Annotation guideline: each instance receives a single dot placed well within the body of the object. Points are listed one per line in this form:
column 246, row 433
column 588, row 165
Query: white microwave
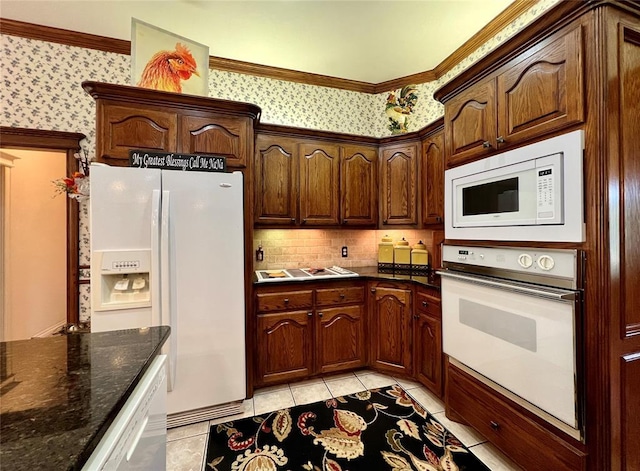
column 533, row 193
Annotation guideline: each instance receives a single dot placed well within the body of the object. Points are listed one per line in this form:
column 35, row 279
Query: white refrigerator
column 167, row 248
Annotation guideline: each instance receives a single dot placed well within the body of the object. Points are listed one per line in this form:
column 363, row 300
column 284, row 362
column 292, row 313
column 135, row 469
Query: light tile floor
column 186, row 445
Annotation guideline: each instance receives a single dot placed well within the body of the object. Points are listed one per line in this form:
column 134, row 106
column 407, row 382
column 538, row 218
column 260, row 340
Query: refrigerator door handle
column 156, row 313
column 168, row 314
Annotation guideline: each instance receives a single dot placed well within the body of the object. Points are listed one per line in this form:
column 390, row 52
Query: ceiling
column 368, row 41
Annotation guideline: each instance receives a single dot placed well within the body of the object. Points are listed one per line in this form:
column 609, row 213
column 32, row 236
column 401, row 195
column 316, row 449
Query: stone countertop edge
column 62, row 393
column 432, row 280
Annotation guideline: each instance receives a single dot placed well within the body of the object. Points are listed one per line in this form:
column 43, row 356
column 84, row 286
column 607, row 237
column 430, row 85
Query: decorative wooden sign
column 174, row 161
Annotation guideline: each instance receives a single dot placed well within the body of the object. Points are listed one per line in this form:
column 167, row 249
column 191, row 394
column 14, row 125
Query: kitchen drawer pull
column 495, row 425
column 309, row 314
column 373, row 290
column 341, row 295
column 319, row 314
column 424, row 304
column 286, row 300
column 514, row 287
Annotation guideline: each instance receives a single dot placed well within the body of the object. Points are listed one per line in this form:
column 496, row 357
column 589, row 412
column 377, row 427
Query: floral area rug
column 375, row 430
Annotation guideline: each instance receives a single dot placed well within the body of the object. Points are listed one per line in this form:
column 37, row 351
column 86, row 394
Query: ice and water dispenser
column 124, row 279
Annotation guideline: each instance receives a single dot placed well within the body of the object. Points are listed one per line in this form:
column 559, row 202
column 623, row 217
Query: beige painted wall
column 35, row 244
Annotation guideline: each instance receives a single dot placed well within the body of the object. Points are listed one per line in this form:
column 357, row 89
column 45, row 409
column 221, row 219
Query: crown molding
column 120, row 46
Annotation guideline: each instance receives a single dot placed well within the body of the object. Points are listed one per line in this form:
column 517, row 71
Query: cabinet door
column 428, row 352
column 122, row 128
column 319, row 185
column 276, row 180
column 390, row 321
column 470, row 124
column 543, row 92
column 433, row 179
column 214, row 134
column 398, row 190
column 358, row 183
column 340, row 338
column 284, row 346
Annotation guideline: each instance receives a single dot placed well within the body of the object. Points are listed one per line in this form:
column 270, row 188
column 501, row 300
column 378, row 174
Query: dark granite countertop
column 60, row 394
column 431, row 280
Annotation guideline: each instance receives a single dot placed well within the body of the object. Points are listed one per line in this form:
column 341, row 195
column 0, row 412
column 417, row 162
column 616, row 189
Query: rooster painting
column 167, row 69
column 398, row 109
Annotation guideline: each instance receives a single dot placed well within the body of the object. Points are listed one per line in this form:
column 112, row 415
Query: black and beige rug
column 375, row 430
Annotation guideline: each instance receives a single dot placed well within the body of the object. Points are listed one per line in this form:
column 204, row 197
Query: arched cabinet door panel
column 340, row 338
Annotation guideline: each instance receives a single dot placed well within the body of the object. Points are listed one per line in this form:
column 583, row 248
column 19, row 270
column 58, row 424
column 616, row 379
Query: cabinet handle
column 438, row 219
column 344, row 221
column 319, row 314
column 341, row 295
column 384, row 221
column 424, row 304
column 500, row 140
column 486, row 144
column 416, row 317
column 373, row 290
column 309, row 314
column 286, row 300
column 495, row 425
column 293, row 220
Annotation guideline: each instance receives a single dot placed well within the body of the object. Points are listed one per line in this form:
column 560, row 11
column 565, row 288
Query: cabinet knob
column 373, row 290
column 293, row 220
column 341, row 295
column 438, row 219
column 344, row 221
column 495, row 425
column 416, row 317
column 486, row 144
column 304, row 221
column 286, row 300
column 319, row 314
column 384, row 221
column 309, row 313
column 500, row 140
column 424, row 304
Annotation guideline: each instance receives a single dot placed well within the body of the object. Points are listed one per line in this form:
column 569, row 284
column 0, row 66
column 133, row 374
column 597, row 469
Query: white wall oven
column 512, row 318
column 532, row 193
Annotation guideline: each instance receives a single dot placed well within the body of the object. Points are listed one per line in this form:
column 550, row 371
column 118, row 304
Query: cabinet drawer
column 328, row 297
column 429, row 303
column 525, row 441
column 286, row 300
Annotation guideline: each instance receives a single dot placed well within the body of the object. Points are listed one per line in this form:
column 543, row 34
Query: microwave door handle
column 515, row 288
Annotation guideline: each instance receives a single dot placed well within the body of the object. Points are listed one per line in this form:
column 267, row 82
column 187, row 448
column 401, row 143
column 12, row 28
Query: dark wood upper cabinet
column 432, row 179
column 358, row 186
column 319, row 184
column 218, row 135
column 276, row 180
column 470, row 123
column 541, row 91
column 140, row 118
column 399, row 184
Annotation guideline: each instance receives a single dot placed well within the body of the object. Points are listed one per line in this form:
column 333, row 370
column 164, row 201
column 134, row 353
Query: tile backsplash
column 300, row 248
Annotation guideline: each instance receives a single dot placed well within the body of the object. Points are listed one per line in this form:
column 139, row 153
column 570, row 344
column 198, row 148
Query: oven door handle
column 553, row 294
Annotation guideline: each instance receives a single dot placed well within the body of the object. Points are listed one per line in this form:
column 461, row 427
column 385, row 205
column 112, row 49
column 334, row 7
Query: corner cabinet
column 139, row 118
column 432, row 179
column 390, row 317
column 539, row 92
column 399, row 184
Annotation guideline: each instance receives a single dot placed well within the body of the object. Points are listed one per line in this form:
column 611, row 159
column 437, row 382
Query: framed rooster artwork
column 165, row 61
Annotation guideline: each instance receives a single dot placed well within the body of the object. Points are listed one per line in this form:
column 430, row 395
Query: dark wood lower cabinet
column 284, row 346
column 427, row 340
column 340, row 338
column 523, row 439
column 390, row 318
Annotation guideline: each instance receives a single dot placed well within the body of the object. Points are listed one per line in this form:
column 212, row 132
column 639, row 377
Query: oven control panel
column 555, row 262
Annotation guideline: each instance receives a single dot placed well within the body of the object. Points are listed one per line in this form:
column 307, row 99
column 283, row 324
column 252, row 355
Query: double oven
column 512, row 311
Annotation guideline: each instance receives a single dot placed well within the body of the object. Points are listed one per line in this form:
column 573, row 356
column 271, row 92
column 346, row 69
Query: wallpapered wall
column 41, row 90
